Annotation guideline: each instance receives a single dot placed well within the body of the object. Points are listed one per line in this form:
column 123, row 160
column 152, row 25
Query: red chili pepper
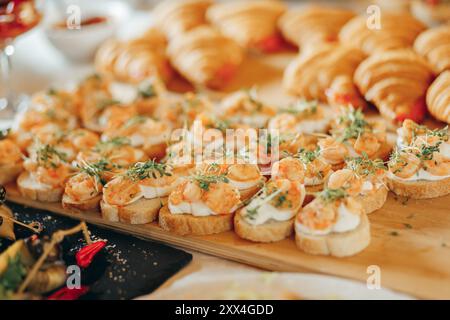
column 86, row 254
column 68, row 294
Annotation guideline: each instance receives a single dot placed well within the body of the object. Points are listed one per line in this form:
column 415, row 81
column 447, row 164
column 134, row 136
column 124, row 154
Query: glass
column 16, row 18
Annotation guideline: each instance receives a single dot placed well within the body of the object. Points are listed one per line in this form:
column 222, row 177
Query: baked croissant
column 134, row 60
column 313, row 72
column 205, row 57
column 434, row 45
column 396, row 82
column 175, row 17
column 431, row 12
column 438, row 97
column 251, row 23
column 397, row 31
column 313, row 25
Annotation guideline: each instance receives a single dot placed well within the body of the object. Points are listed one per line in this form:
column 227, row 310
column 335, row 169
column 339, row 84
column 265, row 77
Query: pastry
column 252, row 24
column 332, row 224
column 363, row 179
column 431, row 12
column 136, row 196
column 438, row 97
column 175, row 17
column 400, row 6
column 269, row 217
column 313, row 25
column 421, row 169
column 205, row 57
column 388, row 35
column 46, row 172
column 312, row 73
column 396, row 82
column 134, row 60
column 434, row 45
column 201, row 205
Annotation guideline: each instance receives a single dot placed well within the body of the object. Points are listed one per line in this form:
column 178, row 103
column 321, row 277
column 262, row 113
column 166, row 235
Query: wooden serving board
column 410, row 239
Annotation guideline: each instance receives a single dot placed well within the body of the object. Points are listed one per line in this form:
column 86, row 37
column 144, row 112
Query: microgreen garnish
column 363, row 166
column 106, row 146
column 96, row 169
column 330, row 195
column 303, row 107
column 307, row 156
column 204, row 180
column 48, row 156
column 147, row 92
column 355, row 124
column 147, row 170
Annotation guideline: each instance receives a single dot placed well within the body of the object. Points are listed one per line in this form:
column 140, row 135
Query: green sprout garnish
column 147, row 170
column 204, row 180
column 355, row 125
column 96, row 170
column 330, row 195
column 48, row 156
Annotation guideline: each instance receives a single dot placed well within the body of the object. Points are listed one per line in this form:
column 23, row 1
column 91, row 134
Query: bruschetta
column 269, row 217
column 332, row 224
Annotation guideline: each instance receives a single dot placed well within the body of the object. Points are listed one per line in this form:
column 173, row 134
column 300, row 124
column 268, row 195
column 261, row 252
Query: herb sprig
column 147, row 170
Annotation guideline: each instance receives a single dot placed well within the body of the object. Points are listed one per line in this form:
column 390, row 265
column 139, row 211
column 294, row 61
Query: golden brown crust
column 134, row 60
column 438, row 97
column 313, row 25
column 142, row 211
column 434, row 45
column 313, row 72
column 268, row 232
column 336, row 244
column 88, row 205
column 37, row 194
column 389, row 35
column 205, row 57
column 419, row 189
column 431, row 13
column 6, row 225
column 187, row 224
column 9, row 172
column 176, row 17
column 375, row 201
column 248, row 22
column 396, row 82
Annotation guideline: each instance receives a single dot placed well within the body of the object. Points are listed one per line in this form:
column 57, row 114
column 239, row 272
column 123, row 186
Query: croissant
column 313, row 72
column 394, row 5
column 431, row 12
column 312, row 25
column 434, row 45
column 397, row 31
column 396, row 82
column 175, row 17
column 205, row 57
column 134, row 60
column 438, row 97
column 251, row 23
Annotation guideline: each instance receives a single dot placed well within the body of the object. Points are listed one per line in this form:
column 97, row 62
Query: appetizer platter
column 351, row 167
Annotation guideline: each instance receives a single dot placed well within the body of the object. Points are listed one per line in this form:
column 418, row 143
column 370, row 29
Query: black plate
column 129, row 267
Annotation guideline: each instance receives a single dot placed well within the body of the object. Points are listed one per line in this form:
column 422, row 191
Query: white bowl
column 81, row 44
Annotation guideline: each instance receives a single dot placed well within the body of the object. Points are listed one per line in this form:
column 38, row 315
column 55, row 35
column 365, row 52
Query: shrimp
column 291, row 194
column 9, row 152
column 410, row 129
column 243, row 172
column 289, row 168
column 52, row 176
column 121, row 191
column 346, row 179
column 438, row 165
column 404, row 164
column 221, row 198
column 285, row 122
column 160, row 181
column 367, row 143
column 83, row 139
column 318, row 168
column 333, row 151
column 317, row 216
column 82, row 187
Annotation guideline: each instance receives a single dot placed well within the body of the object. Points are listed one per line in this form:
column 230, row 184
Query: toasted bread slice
column 336, row 244
column 187, row 224
column 315, row 188
column 271, row 231
column 420, row 189
column 375, row 201
column 88, row 205
column 9, row 172
column 142, row 211
column 29, row 189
